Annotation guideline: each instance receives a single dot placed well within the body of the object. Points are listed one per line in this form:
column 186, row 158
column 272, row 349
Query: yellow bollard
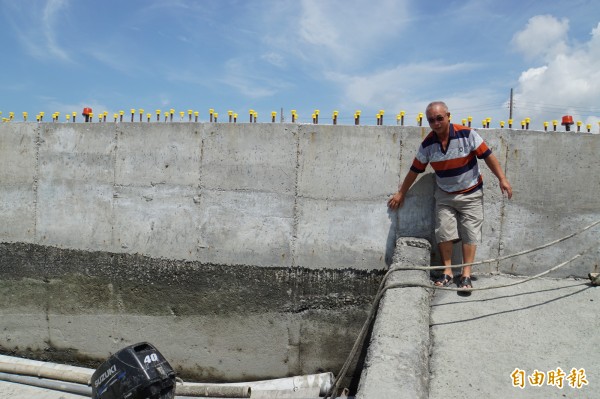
column 132, row 111
column 235, row 116
column 578, row 126
column 68, row 117
column 487, row 122
column 334, row 117
column 216, row 114
column 510, row 122
column 158, row 112
column 502, row 124
column 527, row 121
column 554, row 124
column 273, row 116
column 181, row 114
column 141, row 111
column 148, row 117
column 357, row 117
column 190, row 112
column 545, row 126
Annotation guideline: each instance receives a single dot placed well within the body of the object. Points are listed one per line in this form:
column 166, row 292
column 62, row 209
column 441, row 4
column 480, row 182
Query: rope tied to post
column 594, row 277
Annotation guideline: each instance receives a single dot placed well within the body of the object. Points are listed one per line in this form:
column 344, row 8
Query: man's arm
column 492, row 163
column 397, row 199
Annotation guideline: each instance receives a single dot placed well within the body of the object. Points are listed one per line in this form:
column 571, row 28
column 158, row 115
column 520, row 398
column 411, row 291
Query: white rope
column 383, row 288
column 546, row 245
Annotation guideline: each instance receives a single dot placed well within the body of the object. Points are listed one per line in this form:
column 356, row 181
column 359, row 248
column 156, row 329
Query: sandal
column 443, row 281
column 465, row 283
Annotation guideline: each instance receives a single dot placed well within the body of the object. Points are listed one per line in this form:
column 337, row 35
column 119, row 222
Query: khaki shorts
column 458, row 216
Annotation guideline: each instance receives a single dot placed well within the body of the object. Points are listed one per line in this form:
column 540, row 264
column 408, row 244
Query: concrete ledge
column 397, row 362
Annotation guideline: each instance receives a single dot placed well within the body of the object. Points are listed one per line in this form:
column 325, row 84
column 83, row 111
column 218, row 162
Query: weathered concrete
column 397, row 362
column 279, row 195
column 99, row 222
column 543, row 325
column 213, row 322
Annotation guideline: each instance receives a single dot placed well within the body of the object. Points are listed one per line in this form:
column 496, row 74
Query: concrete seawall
column 277, row 195
column 216, row 241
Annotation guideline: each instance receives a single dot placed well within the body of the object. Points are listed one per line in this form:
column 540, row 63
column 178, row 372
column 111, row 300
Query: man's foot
column 464, row 285
column 465, row 282
column 443, row 281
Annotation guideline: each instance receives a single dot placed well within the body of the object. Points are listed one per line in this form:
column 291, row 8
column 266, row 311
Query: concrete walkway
column 534, row 329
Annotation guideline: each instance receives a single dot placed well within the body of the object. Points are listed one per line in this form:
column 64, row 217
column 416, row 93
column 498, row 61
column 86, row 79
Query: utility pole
column 511, row 104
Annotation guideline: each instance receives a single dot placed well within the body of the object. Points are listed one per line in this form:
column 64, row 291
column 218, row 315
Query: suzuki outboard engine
column 136, row 372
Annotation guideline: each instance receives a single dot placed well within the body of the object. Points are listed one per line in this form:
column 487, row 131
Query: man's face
column 437, row 116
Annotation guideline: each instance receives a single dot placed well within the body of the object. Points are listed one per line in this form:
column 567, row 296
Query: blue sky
column 63, row 55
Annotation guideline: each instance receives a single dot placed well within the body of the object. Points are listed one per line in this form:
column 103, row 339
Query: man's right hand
column 396, row 201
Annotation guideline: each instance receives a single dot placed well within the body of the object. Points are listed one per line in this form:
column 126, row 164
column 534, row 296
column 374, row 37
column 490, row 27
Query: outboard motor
column 136, row 372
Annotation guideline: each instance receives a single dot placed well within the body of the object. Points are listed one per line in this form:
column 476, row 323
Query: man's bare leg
column 469, row 251
column 446, row 255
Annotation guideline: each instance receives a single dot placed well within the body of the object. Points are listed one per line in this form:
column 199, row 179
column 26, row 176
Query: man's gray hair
column 433, row 104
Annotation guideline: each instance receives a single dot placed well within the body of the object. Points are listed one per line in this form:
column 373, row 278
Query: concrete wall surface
column 247, row 251
column 280, row 195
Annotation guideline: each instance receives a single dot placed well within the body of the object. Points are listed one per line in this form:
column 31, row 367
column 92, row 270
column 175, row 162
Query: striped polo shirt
column 456, row 169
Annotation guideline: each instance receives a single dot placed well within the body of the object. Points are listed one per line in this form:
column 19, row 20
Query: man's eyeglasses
column 438, row 118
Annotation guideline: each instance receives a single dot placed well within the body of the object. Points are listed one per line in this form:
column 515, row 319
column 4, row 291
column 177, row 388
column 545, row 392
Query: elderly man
column 452, row 150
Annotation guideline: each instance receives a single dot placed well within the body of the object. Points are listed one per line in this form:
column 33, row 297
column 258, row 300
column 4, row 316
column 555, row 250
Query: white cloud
column 37, row 28
column 51, row 14
column 396, row 85
column 348, row 30
column 543, row 36
column 568, row 83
